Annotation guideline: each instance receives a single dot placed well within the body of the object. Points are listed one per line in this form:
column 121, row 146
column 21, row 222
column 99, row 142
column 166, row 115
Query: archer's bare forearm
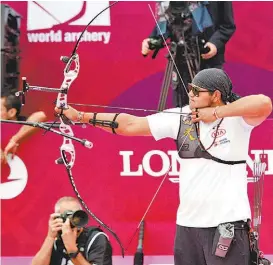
column 250, row 106
column 26, row 131
column 128, row 125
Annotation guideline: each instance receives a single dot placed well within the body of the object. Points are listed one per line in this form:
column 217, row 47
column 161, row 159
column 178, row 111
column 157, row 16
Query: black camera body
column 77, row 218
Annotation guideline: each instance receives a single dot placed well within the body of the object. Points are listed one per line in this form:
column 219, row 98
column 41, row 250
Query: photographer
column 189, row 23
column 66, row 245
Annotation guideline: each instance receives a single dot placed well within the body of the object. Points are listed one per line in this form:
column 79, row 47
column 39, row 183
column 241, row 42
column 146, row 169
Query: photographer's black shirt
column 93, row 245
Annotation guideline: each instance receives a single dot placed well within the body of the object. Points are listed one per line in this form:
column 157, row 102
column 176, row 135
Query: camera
column 77, row 218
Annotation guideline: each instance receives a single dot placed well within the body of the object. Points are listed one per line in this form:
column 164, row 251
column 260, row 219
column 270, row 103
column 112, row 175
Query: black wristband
column 113, row 129
column 93, row 121
column 73, row 255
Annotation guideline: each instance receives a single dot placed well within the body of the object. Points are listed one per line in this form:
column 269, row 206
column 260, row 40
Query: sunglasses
column 196, row 89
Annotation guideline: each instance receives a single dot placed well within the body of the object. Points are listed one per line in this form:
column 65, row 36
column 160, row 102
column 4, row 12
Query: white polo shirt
column 210, row 192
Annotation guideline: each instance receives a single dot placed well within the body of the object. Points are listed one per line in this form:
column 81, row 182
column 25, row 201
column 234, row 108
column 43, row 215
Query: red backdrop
column 117, row 74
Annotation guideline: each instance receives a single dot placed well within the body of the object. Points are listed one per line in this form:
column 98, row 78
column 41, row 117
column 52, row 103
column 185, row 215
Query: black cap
column 216, row 79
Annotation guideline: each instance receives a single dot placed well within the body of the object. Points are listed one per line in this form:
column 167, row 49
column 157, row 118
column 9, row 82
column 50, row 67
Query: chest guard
column 189, row 145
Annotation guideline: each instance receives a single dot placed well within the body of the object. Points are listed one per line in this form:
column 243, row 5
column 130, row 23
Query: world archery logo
column 46, row 20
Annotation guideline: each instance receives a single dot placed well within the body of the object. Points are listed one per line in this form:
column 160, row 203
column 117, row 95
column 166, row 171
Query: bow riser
column 69, row 76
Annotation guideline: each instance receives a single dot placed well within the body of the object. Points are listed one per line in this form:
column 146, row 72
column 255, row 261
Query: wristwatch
column 73, row 255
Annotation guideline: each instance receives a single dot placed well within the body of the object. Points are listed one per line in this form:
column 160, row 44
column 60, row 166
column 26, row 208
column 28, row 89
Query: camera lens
column 79, row 219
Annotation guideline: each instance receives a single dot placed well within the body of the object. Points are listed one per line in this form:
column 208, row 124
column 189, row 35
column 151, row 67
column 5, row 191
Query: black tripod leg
column 165, row 86
column 167, row 78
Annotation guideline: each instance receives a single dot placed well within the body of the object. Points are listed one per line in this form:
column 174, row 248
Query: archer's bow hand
column 70, row 113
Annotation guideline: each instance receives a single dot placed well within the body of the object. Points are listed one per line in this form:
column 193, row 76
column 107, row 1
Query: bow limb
column 67, row 148
column 69, row 172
